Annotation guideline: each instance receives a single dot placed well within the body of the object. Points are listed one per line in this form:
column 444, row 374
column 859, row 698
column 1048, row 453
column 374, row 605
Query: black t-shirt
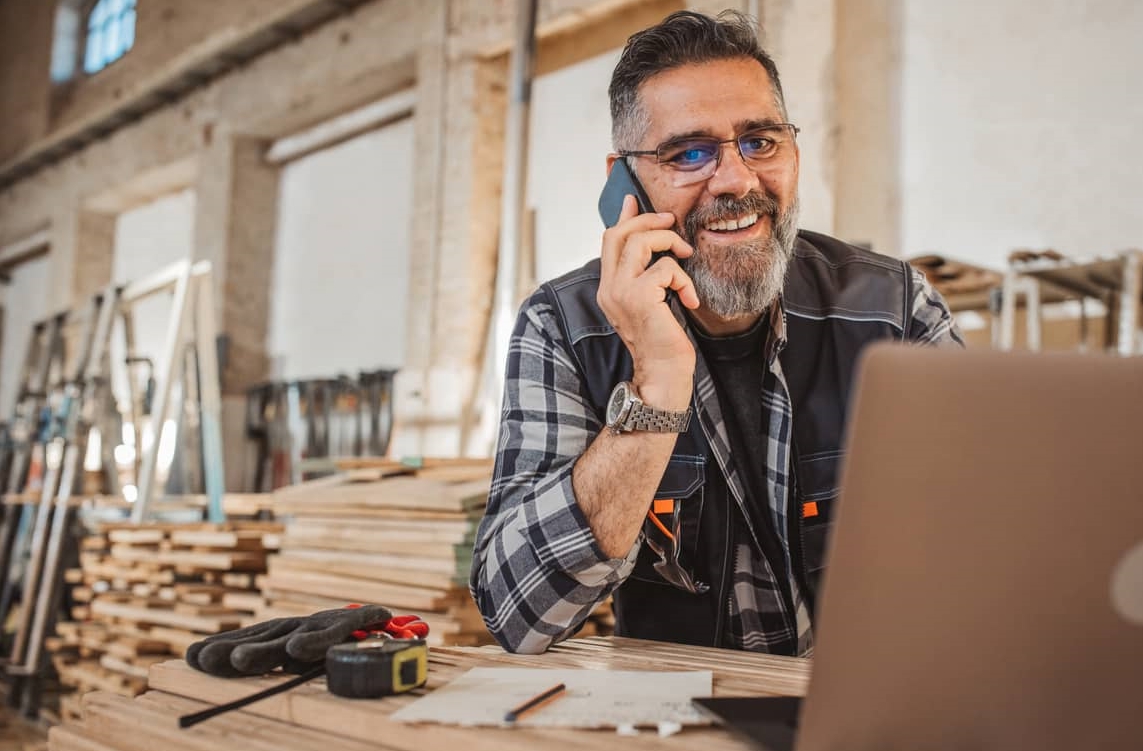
column 737, row 365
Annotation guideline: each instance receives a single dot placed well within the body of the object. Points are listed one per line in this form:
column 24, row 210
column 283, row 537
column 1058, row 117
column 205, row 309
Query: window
column 110, row 33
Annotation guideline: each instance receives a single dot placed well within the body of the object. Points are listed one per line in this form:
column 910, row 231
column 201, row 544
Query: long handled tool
column 64, row 459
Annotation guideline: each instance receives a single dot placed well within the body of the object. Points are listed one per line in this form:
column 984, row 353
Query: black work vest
column 837, row 299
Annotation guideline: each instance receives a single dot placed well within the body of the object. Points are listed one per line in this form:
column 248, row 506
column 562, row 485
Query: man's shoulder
column 829, row 278
column 815, row 248
column 586, row 275
column 571, row 298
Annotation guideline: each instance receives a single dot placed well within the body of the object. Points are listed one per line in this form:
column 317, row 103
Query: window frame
column 122, row 9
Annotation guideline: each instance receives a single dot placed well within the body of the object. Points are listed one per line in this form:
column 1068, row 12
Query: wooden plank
column 91, row 675
column 237, row 580
column 250, row 601
column 149, row 722
column 393, row 596
column 365, row 541
column 137, row 669
column 235, row 539
column 144, row 536
column 222, row 561
column 129, row 647
column 72, row 738
column 454, row 532
column 204, row 624
column 358, row 512
column 396, row 492
column 451, row 524
column 373, row 567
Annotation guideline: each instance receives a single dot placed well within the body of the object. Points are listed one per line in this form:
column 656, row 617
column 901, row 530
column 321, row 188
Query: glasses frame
column 657, row 152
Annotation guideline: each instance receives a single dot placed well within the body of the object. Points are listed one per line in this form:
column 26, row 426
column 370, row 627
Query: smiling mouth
column 733, row 224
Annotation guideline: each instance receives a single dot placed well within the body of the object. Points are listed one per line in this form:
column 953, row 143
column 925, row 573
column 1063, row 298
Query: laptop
column 985, row 586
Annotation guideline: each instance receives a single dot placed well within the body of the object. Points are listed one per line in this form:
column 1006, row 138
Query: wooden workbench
column 310, row 717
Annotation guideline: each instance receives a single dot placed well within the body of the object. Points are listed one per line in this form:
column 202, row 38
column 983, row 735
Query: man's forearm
column 615, row 482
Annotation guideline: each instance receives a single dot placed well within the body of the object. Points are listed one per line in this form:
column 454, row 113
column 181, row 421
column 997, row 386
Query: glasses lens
column 763, row 143
column 689, row 155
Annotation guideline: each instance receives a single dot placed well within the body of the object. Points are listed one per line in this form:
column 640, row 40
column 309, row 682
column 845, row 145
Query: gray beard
column 743, row 279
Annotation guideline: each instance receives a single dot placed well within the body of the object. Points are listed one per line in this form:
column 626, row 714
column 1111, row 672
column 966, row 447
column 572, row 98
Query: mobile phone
column 621, row 183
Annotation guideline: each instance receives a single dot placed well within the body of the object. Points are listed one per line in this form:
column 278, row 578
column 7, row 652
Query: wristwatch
column 626, row 412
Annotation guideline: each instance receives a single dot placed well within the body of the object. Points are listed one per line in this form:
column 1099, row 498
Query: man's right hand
column 633, row 296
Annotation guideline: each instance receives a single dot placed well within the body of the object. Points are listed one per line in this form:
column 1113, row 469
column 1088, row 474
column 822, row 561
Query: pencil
column 514, row 714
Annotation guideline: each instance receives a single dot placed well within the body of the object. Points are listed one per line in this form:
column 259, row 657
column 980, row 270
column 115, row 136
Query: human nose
column 732, row 175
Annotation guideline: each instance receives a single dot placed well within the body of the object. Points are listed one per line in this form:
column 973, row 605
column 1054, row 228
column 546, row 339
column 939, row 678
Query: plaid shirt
column 537, row 570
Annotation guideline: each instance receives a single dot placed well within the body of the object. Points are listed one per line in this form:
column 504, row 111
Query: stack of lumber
column 145, row 593
column 390, row 534
column 309, row 717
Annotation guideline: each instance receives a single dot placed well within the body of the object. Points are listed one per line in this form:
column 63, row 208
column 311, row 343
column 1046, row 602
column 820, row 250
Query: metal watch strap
column 644, row 417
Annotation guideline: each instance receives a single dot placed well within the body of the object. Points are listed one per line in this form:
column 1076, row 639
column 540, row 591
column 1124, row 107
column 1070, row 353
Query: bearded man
column 679, row 451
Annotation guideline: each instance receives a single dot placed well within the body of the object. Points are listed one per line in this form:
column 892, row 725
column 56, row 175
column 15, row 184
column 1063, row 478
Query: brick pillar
column 459, row 144
column 235, row 216
column 82, row 251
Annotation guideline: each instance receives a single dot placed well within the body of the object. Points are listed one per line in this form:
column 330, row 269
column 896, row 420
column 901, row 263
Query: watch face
column 617, row 404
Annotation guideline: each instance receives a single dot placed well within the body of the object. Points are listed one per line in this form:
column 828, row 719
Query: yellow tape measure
column 376, row 667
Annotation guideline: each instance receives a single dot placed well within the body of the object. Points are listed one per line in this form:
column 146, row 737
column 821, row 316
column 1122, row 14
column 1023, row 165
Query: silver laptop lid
column 985, row 588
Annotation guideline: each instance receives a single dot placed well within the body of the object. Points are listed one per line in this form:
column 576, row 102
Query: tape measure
column 376, row 667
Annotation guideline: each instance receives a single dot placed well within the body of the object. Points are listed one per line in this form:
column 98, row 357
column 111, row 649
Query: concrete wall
column 25, row 59
column 1020, row 127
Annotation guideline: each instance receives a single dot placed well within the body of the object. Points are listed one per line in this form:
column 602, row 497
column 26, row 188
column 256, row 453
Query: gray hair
column 682, row 38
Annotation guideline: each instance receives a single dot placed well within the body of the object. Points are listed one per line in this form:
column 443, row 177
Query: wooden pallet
column 150, row 592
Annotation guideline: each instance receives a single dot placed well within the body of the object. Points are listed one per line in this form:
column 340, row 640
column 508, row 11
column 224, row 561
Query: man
column 679, row 451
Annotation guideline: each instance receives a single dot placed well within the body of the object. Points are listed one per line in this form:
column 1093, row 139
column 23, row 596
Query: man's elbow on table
column 516, row 640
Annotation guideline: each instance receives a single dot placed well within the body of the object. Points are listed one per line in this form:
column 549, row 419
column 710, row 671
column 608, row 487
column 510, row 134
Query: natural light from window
column 110, row 33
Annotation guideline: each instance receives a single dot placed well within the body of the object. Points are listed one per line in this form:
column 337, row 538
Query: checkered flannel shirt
column 537, row 571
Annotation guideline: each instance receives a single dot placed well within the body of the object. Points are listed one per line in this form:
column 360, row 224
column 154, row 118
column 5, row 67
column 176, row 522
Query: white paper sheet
column 593, row 698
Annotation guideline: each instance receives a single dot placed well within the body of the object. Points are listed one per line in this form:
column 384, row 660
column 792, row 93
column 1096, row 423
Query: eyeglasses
column 697, row 158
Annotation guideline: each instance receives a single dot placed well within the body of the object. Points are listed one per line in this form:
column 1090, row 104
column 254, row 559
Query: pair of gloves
column 295, row 644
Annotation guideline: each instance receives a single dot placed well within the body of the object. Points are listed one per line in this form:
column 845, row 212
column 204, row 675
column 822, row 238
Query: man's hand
column 633, row 296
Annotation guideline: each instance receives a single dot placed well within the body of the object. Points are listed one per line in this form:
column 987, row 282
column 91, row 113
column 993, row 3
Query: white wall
column 25, row 302
column 570, row 137
column 1021, row 123
column 149, row 238
column 341, row 264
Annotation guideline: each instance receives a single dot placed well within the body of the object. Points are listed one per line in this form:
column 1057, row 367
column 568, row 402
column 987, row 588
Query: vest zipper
column 723, row 589
column 798, row 562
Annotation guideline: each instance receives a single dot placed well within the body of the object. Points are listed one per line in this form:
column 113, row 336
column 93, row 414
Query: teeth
column 724, row 225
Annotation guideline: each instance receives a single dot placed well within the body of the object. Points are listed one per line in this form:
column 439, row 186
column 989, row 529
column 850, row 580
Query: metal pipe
column 172, row 351
column 161, row 280
column 1129, row 302
column 512, row 198
column 210, row 399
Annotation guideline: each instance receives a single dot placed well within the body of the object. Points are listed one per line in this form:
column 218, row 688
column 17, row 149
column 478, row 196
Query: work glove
column 294, row 643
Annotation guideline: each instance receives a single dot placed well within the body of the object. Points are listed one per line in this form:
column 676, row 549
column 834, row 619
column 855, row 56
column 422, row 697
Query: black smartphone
column 620, row 183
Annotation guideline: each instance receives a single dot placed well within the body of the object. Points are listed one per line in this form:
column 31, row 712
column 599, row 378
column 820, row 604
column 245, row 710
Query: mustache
column 727, row 207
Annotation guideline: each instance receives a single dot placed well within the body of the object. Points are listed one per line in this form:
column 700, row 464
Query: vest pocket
column 671, row 529
column 817, row 498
